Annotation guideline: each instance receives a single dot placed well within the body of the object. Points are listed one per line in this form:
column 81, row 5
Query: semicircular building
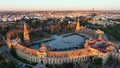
column 72, row 47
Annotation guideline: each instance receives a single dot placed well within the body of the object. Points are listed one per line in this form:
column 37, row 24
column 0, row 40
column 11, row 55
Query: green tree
column 98, row 61
column 68, row 65
column 12, row 50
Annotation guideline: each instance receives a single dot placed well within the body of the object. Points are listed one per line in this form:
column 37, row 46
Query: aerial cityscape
column 59, row 34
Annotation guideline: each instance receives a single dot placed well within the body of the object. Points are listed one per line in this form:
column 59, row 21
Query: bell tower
column 78, row 25
column 26, row 34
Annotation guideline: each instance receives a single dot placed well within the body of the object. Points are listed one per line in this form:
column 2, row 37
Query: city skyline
column 27, row 5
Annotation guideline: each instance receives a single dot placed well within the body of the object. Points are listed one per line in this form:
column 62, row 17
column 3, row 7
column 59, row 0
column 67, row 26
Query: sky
column 28, row 5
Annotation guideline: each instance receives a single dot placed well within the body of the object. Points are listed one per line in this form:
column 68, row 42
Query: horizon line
column 66, row 10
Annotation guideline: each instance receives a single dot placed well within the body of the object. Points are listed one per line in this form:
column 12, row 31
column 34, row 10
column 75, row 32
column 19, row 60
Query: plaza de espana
column 97, row 46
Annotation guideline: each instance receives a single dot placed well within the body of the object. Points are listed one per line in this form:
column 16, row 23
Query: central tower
column 78, row 25
column 26, row 34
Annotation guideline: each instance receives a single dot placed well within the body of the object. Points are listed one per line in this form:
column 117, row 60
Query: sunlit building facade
column 91, row 46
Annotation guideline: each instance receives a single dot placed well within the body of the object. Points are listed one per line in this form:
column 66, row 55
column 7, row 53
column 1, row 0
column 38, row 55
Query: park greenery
column 64, row 65
column 95, row 62
column 114, row 31
column 46, row 28
column 39, row 29
column 5, row 62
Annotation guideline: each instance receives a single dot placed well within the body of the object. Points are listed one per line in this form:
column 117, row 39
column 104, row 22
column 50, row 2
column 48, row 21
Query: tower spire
column 86, row 44
column 26, row 33
column 78, row 25
column 99, row 37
